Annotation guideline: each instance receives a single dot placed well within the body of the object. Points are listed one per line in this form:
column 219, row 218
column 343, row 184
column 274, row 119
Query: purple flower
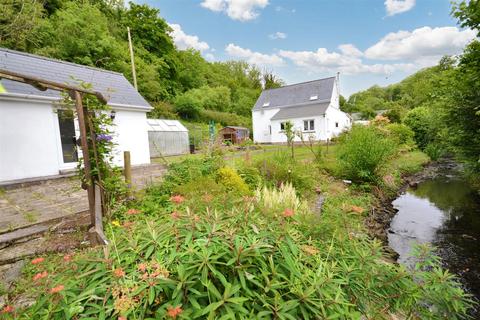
column 104, row 137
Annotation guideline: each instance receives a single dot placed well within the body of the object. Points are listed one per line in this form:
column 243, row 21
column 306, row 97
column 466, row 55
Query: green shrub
column 434, row 151
column 419, row 120
column 206, row 192
column 281, row 168
column 229, row 178
column 187, row 106
column 251, row 175
column 156, row 199
column 362, row 151
column 400, row 133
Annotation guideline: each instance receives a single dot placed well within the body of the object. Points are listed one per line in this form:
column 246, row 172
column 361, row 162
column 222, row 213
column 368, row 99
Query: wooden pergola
column 95, row 199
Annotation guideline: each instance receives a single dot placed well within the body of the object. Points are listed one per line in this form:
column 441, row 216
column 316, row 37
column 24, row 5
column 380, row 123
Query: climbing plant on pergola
column 76, row 93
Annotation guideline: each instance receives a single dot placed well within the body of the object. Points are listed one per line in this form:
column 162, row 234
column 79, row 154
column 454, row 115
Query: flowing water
column 443, row 211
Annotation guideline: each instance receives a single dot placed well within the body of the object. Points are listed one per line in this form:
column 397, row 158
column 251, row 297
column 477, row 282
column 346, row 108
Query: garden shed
column 234, row 134
column 167, row 137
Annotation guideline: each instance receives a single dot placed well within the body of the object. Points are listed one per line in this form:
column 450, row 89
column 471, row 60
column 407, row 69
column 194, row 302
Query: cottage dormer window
column 266, row 104
column 313, row 97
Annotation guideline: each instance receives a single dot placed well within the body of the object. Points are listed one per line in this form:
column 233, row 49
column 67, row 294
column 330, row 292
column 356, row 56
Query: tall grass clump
column 283, row 198
column 362, row 151
column 281, row 168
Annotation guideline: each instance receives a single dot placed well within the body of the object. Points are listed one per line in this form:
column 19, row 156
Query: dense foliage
column 94, row 33
column 440, row 104
column 197, row 248
column 362, row 151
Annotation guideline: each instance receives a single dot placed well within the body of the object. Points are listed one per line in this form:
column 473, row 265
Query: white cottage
column 312, row 107
column 37, row 135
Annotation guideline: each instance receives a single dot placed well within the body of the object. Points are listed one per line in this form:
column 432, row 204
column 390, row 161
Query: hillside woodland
column 440, row 104
column 178, row 83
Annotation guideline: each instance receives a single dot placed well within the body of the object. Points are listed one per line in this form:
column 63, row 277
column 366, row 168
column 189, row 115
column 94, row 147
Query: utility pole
column 132, row 59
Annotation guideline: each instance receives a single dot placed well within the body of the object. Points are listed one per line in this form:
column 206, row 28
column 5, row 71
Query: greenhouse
column 167, row 138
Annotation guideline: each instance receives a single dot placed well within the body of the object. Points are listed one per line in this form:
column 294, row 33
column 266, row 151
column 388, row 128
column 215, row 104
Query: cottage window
column 266, row 104
column 336, row 124
column 308, row 125
column 314, row 97
column 282, row 126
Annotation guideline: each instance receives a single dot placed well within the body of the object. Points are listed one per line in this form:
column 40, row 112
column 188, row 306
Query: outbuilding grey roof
column 236, row 128
column 301, row 111
column 165, row 125
column 296, row 94
column 113, row 85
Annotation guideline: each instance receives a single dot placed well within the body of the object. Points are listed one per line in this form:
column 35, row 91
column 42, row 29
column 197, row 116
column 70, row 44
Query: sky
column 368, row 41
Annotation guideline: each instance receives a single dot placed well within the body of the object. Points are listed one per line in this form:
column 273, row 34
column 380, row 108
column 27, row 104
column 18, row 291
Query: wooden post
column 127, row 171
column 86, row 155
column 134, row 75
column 98, row 228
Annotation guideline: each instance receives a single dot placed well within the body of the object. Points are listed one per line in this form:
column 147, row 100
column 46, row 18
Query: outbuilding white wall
column 28, row 141
column 30, row 145
column 131, row 135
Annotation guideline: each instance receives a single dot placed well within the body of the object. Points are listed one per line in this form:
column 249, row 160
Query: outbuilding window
column 308, row 125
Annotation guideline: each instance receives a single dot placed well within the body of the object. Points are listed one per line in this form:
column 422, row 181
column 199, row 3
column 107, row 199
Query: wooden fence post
column 85, row 155
column 101, row 238
column 127, row 171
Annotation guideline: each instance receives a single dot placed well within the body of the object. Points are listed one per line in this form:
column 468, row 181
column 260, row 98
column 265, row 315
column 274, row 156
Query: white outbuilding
column 167, row 137
column 38, row 134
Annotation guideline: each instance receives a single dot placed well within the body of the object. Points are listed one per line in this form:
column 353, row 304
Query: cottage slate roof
column 301, row 111
column 113, row 85
column 296, row 94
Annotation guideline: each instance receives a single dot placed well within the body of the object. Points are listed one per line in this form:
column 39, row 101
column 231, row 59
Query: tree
column 342, row 102
column 188, row 106
column 19, row 22
column 419, row 120
column 271, row 81
column 95, row 45
column 467, row 13
column 149, row 30
column 290, row 133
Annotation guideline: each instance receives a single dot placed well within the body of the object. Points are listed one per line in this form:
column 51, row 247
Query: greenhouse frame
column 167, row 138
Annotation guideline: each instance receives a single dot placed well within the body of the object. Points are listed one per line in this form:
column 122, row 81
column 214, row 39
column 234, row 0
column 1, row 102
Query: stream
column 442, row 210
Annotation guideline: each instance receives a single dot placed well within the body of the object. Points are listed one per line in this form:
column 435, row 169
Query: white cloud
column 423, row 43
column 210, row 57
column 278, row 35
column 184, row 41
column 347, row 61
column 252, row 57
column 242, row 10
column 394, row 7
column 350, row 50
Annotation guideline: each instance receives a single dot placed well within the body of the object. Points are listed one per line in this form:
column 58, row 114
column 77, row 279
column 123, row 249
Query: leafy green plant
column 251, row 175
column 281, row 168
column 434, row 151
column 362, row 151
column 400, row 133
column 232, row 181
